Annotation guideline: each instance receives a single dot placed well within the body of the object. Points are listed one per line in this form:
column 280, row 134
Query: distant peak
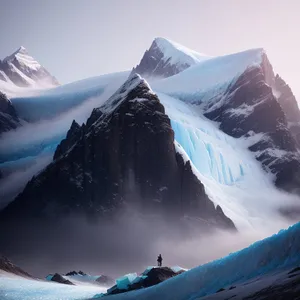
column 178, row 52
column 21, row 50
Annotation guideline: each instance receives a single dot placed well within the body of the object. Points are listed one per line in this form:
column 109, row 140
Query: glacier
column 231, row 175
column 271, row 255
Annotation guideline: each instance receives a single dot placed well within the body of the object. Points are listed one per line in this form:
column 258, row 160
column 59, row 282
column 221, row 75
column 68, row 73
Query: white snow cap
column 177, row 53
column 23, row 57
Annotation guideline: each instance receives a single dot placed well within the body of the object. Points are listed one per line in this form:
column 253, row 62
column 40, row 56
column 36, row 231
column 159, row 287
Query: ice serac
column 166, row 58
column 123, row 156
column 8, row 116
column 22, row 70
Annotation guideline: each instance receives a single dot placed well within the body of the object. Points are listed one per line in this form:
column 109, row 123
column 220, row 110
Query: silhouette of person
column 159, row 260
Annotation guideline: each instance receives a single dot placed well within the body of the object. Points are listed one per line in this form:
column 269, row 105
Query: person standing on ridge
column 159, row 260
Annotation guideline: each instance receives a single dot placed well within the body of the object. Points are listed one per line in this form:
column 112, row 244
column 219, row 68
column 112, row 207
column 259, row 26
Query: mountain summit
column 166, row 58
column 20, row 69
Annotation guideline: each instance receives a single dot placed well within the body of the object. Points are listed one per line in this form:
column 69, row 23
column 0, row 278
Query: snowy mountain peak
column 178, row 53
column 20, row 69
column 166, row 58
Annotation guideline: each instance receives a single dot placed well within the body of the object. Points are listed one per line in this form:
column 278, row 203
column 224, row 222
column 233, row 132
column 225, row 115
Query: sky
column 76, row 39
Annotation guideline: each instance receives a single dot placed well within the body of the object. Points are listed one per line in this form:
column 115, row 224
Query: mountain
column 8, row 116
column 166, row 58
column 124, row 156
column 238, row 91
column 194, row 99
column 20, row 70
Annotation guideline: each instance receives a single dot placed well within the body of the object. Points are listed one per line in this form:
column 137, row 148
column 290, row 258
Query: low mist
column 116, row 247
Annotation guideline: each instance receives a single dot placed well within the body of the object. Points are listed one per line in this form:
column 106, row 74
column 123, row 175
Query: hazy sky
column 75, row 39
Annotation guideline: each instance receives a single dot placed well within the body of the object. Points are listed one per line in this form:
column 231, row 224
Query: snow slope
column 177, row 54
column 274, row 254
column 15, row 288
column 209, row 77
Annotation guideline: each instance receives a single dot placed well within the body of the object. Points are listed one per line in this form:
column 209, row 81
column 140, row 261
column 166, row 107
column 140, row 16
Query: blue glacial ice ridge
column 276, row 253
column 209, row 160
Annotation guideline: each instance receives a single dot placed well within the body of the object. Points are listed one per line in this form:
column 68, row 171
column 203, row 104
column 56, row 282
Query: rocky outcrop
column 59, row 278
column 8, row 116
column 75, row 273
column 123, row 158
column 148, row 278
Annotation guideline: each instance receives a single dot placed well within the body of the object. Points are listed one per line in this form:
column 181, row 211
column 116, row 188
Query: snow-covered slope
column 204, row 80
column 166, row 58
column 14, row 287
column 177, row 54
column 274, row 254
column 20, row 73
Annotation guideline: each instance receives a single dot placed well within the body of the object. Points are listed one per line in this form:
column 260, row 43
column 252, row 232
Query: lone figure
column 159, row 260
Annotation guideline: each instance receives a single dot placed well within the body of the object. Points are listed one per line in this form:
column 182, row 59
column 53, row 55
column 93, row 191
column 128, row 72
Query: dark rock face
column 58, row 278
column 153, row 277
column 289, row 105
column 250, row 108
column 7, row 266
column 287, row 100
column 154, row 63
column 8, row 116
column 124, row 157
